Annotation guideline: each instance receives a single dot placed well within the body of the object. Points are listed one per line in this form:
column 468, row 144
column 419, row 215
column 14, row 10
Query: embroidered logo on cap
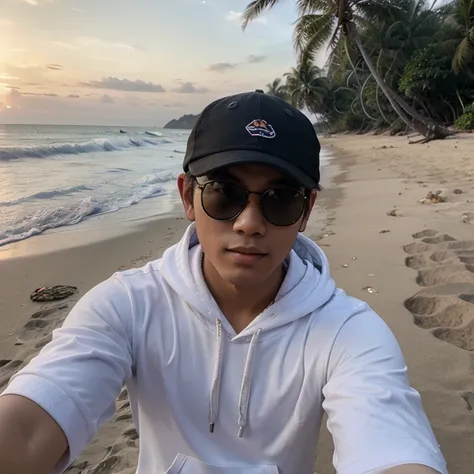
column 260, row 128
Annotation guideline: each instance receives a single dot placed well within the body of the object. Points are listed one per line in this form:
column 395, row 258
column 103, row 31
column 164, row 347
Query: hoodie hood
column 307, row 285
column 306, row 288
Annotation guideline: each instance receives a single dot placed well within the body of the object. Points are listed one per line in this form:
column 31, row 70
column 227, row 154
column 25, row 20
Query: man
column 233, row 343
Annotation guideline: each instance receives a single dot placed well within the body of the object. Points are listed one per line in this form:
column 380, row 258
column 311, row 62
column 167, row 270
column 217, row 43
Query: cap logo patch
column 260, row 128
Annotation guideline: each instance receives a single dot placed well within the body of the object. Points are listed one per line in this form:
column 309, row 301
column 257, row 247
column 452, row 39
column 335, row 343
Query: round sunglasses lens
column 283, row 206
column 223, row 201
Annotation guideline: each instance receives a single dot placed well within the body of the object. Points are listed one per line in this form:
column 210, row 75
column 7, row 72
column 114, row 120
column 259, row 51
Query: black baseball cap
column 254, row 127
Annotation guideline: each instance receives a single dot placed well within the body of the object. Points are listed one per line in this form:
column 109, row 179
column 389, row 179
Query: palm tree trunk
column 460, row 100
column 409, row 115
column 361, row 89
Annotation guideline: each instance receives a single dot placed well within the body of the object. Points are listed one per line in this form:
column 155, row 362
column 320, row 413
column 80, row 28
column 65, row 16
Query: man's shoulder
column 339, row 309
column 127, row 286
column 140, row 278
column 327, row 322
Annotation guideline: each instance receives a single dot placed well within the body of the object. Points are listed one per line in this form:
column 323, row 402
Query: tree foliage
column 392, row 64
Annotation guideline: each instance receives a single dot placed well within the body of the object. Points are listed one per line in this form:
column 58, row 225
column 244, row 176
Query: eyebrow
column 223, row 174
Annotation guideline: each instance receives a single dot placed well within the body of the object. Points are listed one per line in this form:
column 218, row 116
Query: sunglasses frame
column 202, row 186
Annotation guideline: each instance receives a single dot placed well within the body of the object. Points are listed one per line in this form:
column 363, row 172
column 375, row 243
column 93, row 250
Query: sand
column 412, row 260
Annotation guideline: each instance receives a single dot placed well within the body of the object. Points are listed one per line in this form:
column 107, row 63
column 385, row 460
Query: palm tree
column 337, row 21
column 460, row 21
column 277, row 89
column 306, row 87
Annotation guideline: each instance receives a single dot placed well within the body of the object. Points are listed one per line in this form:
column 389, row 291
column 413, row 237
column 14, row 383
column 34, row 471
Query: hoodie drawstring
column 216, row 379
column 244, row 396
column 246, row 384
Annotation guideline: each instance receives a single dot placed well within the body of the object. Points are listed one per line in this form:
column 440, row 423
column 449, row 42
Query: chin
column 243, row 277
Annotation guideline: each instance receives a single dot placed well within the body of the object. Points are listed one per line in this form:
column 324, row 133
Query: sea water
column 54, row 176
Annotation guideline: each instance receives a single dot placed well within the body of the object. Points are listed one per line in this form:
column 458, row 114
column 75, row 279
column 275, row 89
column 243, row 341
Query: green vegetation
column 393, row 65
column 466, row 120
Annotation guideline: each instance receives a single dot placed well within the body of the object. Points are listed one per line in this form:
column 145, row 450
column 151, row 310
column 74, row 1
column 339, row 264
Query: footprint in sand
column 115, row 447
column 445, row 268
column 8, row 368
column 38, row 329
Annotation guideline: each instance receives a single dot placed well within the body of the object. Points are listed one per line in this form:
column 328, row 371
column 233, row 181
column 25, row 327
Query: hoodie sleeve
column 78, row 375
column 376, row 419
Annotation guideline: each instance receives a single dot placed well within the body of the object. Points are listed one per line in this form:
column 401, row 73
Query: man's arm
column 376, row 419
column 53, row 406
column 410, row 469
column 30, row 440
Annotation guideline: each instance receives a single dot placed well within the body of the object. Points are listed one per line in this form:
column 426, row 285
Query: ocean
column 56, row 176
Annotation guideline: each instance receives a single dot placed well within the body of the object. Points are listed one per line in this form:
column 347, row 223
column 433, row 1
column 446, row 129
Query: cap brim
column 209, row 163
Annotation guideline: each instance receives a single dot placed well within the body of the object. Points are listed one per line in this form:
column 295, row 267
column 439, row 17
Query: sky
column 133, row 62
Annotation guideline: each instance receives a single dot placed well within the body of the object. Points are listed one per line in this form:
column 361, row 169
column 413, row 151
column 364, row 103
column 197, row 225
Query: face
column 246, row 250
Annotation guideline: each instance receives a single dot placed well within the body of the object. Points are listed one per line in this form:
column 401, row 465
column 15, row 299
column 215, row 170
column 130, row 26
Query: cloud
column 124, row 85
column 106, row 99
column 61, row 44
column 92, row 43
column 44, row 94
column 221, row 67
column 35, row 3
column 14, row 97
column 175, row 105
column 4, row 22
column 73, row 96
column 78, row 10
column 54, row 67
column 255, row 58
column 236, row 17
column 224, row 67
column 190, row 88
column 6, row 77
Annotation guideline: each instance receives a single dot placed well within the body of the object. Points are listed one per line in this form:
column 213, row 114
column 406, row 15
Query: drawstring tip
column 211, row 427
column 241, row 432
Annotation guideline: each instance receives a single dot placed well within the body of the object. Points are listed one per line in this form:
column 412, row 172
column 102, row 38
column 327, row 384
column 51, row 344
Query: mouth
column 246, row 256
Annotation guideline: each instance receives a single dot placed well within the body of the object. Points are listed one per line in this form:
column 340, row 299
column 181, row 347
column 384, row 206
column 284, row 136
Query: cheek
column 209, row 231
column 284, row 239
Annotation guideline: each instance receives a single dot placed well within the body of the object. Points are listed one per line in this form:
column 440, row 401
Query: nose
column 251, row 220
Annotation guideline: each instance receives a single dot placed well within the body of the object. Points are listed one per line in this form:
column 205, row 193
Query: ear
column 310, row 203
column 186, row 192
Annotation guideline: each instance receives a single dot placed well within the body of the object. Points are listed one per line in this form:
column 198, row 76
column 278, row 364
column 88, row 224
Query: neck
column 241, row 305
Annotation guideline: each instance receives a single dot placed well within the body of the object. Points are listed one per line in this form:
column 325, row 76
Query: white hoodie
column 159, row 330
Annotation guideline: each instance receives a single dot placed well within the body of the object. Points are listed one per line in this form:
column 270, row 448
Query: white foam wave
column 49, row 218
column 96, row 145
column 45, row 195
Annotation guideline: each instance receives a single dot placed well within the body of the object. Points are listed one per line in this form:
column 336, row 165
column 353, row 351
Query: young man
column 233, row 343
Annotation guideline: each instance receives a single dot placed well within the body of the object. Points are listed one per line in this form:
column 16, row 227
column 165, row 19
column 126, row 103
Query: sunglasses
column 225, row 200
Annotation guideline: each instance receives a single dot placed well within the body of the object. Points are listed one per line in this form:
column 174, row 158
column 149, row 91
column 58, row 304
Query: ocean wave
column 154, row 134
column 46, row 195
column 50, row 218
column 97, row 145
column 117, row 170
column 162, row 177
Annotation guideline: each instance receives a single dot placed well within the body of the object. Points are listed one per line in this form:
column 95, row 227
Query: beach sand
column 416, row 258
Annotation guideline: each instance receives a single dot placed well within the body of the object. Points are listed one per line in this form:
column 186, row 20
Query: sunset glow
column 108, row 62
